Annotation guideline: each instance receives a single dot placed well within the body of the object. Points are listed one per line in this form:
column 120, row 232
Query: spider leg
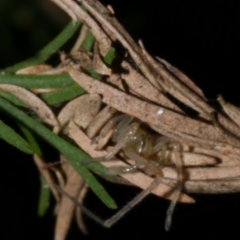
column 109, row 222
column 124, row 137
column 140, row 162
column 178, row 163
column 160, row 145
column 119, row 122
column 149, row 168
column 112, row 220
column 121, row 170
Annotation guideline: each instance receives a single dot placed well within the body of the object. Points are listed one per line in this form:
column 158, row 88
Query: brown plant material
column 231, row 110
column 205, row 173
column 218, row 186
column 73, row 186
column 47, row 175
column 89, row 104
column 79, row 213
column 146, row 89
column 34, row 69
column 160, row 117
column 185, row 79
column 208, row 157
column 33, row 102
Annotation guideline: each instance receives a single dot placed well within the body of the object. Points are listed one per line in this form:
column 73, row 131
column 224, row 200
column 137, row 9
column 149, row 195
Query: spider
column 148, row 153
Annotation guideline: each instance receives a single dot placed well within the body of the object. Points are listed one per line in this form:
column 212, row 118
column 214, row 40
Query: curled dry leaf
column 216, row 186
column 81, row 110
column 204, row 173
column 195, row 159
column 98, row 64
column 181, row 91
column 74, row 184
column 185, row 79
column 34, row 103
column 160, row 117
column 116, row 32
column 145, row 89
column 76, row 11
column 79, row 212
column 232, row 111
column 59, row 70
column 98, row 122
column 41, row 165
column 34, row 69
column 80, row 39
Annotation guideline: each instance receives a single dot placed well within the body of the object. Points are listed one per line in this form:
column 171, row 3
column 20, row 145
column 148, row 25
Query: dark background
column 199, row 37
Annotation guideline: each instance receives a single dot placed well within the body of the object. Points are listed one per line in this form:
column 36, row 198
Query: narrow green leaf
column 37, row 81
column 62, row 95
column 94, row 74
column 74, row 155
column 88, row 42
column 12, row 98
column 48, row 50
column 31, row 140
column 45, row 193
column 10, row 136
column 108, row 59
column 44, row 197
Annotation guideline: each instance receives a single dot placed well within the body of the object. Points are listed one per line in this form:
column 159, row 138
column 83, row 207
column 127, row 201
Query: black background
column 199, row 37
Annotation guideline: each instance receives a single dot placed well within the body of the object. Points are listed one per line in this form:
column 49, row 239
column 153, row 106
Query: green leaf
column 74, row 156
column 108, row 59
column 31, row 140
column 94, row 74
column 88, row 42
column 48, row 50
column 10, row 136
column 12, row 98
column 62, row 95
column 45, row 193
column 44, row 197
column 37, row 81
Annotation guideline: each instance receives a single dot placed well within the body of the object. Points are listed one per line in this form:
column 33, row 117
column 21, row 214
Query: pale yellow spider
column 144, row 152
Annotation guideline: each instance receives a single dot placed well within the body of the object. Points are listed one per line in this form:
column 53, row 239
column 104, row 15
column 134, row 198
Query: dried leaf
column 160, row 117
column 34, row 69
column 81, row 110
column 34, row 103
column 74, row 183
